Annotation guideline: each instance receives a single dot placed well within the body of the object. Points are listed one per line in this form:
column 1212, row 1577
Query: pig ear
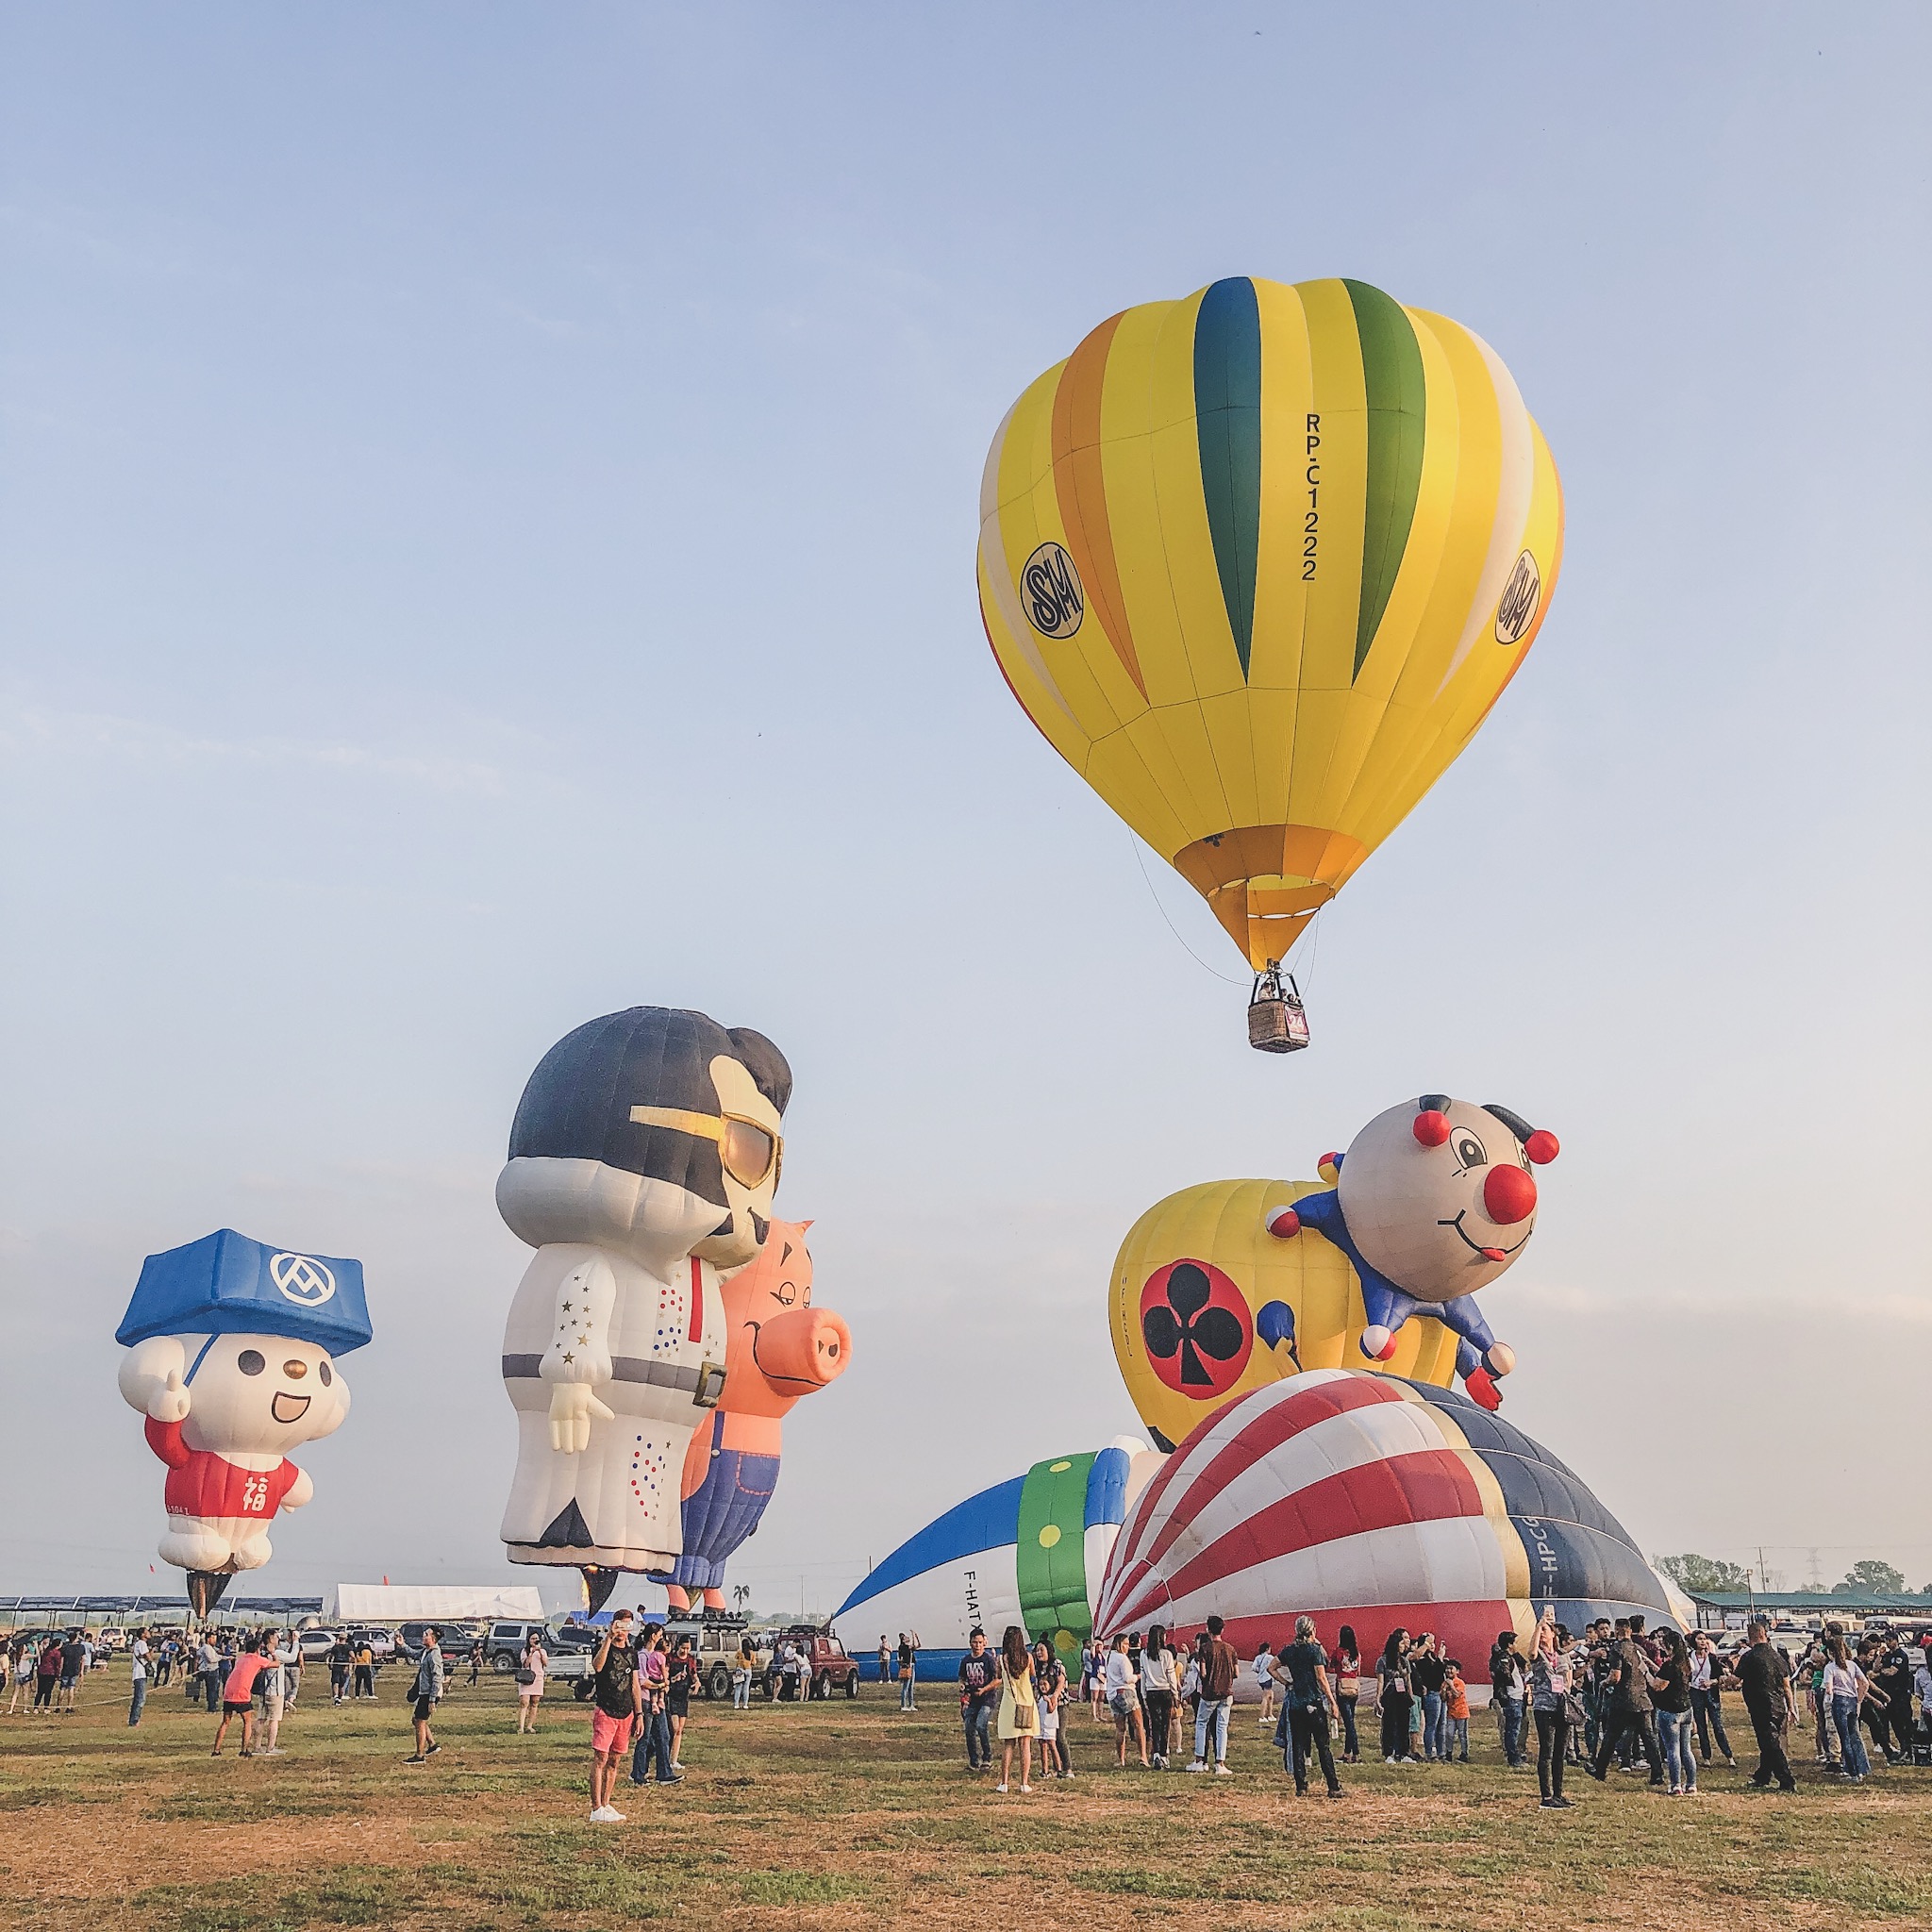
column 803, row 1226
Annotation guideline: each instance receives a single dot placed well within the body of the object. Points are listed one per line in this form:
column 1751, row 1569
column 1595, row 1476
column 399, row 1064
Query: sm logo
column 1050, row 587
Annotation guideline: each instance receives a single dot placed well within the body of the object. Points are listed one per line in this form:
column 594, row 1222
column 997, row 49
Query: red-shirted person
column 237, row 1697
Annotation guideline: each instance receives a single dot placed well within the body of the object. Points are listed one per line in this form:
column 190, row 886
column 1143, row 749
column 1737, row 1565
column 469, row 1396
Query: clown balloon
column 1433, row 1200
column 231, row 1357
column 1231, row 1285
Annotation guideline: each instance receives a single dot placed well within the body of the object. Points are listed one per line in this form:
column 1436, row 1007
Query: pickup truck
column 825, row 1666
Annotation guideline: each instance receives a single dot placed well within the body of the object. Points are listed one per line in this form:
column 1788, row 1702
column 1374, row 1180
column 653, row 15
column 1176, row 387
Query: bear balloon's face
column 263, row 1396
column 1440, row 1198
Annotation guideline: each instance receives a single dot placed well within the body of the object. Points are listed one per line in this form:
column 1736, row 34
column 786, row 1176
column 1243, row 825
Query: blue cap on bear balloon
column 225, row 1284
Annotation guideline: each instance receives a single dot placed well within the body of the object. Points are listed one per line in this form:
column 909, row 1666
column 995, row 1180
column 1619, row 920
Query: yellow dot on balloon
column 1049, row 1536
column 1058, row 1468
column 1065, row 1640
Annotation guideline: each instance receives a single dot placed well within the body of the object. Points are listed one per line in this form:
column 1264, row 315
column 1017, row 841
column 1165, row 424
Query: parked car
column 503, row 1647
column 825, row 1666
column 454, row 1638
column 313, row 1646
column 382, row 1643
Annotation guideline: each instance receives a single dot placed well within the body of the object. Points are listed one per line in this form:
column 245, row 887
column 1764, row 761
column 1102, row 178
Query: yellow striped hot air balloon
column 1257, row 563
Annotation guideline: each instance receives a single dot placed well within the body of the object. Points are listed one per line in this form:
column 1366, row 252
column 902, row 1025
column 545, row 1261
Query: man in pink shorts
column 614, row 1715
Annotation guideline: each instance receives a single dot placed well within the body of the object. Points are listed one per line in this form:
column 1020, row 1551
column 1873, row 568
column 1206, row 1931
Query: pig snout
column 811, row 1346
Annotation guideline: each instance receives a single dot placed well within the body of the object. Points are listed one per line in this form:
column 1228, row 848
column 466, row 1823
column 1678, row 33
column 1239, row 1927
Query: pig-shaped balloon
column 778, row 1348
column 1433, row 1200
column 231, row 1358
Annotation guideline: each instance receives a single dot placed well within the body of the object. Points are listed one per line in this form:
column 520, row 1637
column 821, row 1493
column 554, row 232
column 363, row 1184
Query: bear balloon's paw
column 1378, row 1344
column 168, row 1402
column 1284, row 1223
column 1483, row 1392
column 1501, row 1359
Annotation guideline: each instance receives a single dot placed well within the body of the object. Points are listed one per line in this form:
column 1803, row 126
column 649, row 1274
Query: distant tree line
column 1713, row 1577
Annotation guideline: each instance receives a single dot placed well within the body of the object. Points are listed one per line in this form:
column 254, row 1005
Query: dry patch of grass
column 846, row 1816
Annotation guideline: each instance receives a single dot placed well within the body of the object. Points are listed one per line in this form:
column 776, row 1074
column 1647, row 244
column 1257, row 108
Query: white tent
column 397, row 1602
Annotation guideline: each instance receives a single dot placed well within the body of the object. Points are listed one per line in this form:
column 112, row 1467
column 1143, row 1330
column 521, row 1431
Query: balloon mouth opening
column 289, row 1409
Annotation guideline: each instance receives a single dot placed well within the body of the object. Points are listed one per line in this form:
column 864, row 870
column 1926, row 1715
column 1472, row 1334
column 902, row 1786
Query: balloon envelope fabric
column 1257, row 563
column 1364, row 1499
column 1029, row 1552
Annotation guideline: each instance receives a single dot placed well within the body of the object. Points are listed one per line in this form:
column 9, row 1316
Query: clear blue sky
column 490, row 501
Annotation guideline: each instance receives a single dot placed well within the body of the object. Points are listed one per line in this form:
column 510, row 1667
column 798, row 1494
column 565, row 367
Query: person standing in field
column 654, row 1736
column 1846, row 1686
column 1670, row 1691
column 680, row 1679
column 885, row 1659
column 1550, row 1680
column 1308, row 1702
column 1631, row 1706
column 47, row 1675
column 21, row 1663
column 1762, row 1674
column 1347, row 1662
column 908, row 1671
column 1392, row 1697
column 427, row 1691
column 1218, row 1668
column 237, row 1698
column 979, row 1689
column 341, row 1659
column 1050, row 1686
column 137, row 1655
column 1019, row 1709
column 1264, row 1677
column 73, row 1654
column 365, row 1668
column 617, row 1698
column 273, row 1686
column 1707, row 1699
column 747, row 1662
column 1122, row 1701
column 1454, row 1712
column 531, row 1668
column 1159, row 1681
column 1427, row 1676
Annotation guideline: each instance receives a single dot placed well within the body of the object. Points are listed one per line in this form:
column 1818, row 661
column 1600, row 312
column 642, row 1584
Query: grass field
column 850, row 1814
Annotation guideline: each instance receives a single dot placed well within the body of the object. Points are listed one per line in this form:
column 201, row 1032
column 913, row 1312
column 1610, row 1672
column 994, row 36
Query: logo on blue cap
column 301, row 1279
column 225, row 1284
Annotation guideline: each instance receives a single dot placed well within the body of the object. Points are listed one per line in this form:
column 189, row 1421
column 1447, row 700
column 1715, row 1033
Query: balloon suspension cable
column 1134, row 841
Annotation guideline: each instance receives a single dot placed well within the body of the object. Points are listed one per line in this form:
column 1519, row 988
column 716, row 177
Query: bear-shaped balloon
column 643, row 1159
column 231, row 1358
column 1213, row 1295
column 777, row 1349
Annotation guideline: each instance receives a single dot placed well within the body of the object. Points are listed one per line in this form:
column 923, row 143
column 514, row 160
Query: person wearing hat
column 231, row 1349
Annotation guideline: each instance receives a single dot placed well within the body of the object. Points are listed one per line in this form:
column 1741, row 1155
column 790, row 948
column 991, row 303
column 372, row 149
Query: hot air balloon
column 1360, row 1498
column 1257, row 563
column 1028, row 1552
column 233, row 1357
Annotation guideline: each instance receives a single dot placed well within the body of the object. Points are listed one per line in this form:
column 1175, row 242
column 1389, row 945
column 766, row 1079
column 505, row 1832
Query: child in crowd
column 1456, row 1715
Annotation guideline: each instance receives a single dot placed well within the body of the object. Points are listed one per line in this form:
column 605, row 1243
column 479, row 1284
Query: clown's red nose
column 1508, row 1196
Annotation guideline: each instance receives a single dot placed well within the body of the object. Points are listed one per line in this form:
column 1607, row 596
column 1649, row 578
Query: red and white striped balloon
column 1343, row 1493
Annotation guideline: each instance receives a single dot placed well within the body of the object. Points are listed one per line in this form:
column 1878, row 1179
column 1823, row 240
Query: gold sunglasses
column 749, row 1151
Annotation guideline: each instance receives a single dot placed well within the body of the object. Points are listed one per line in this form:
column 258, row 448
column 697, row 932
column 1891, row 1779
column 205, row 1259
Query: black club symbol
column 1187, row 1324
